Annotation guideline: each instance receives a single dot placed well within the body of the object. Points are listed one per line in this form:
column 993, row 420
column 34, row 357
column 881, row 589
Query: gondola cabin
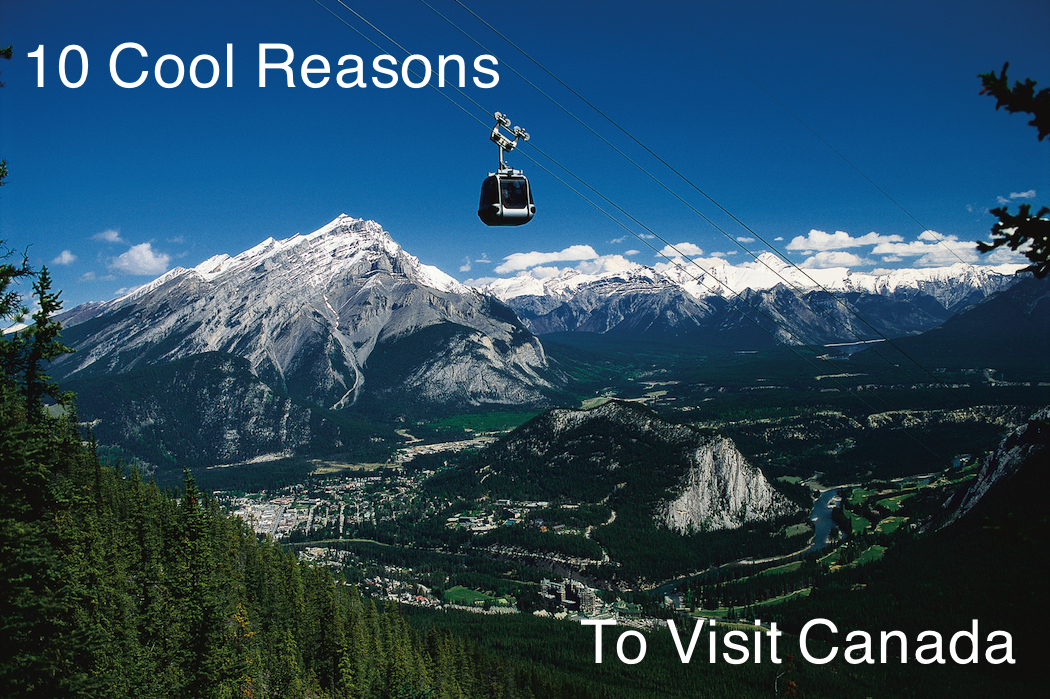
column 506, row 199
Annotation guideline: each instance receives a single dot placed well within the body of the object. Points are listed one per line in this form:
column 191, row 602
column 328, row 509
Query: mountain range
column 756, row 304
column 326, row 341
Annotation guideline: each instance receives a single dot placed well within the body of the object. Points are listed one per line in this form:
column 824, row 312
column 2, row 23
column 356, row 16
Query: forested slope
column 111, row 588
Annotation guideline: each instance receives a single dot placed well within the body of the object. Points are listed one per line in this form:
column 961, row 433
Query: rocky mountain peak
column 309, row 313
column 721, row 490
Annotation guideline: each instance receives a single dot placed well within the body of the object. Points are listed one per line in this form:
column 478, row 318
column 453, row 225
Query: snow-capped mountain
column 330, row 318
column 782, row 303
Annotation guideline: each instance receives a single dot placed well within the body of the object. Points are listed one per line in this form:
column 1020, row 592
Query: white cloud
column 1030, row 194
column 823, row 260
column 542, row 272
column 109, row 236
column 140, row 259
column 617, row 241
column 931, row 250
column 92, row 277
column 64, row 258
column 524, row 260
column 633, row 252
column 744, row 239
column 465, row 267
column 1003, row 255
column 819, row 240
column 690, row 249
column 778, row 238
column 606, row 263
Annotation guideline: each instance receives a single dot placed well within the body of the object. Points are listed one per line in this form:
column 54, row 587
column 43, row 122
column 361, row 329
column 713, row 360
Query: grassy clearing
column 890, row 524
column 872, row 554
column 331, row 468
column 716, row 613
column 786, row 568
column 485, row 422
column 721, row 612
column 472, row 598
column 798, row 530
column 859, row 495
column 784, row 598
column 595, row 402
column 893, row 504
column 858, row 523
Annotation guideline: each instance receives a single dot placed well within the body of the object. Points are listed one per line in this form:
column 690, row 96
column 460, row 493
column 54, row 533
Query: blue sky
column 110, row 186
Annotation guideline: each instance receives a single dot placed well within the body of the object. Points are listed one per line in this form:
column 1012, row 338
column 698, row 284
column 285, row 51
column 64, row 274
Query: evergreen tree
column 1022, row 229
column 47, row 645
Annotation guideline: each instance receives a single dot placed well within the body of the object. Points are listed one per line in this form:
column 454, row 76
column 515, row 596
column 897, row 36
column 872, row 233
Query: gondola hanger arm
column 506, row 145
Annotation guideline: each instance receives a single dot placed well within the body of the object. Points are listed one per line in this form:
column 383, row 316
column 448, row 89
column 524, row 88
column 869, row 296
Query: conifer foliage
column 1025, row 231
column 111, row 588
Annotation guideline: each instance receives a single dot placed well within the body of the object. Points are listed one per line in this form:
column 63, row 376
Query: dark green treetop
column 1015, row 231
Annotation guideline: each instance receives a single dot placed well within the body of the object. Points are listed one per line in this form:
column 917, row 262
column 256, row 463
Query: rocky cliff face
column 721, row 490
column 205, row 410
column 1029, row 445
column 667, row 475
column 314, row 315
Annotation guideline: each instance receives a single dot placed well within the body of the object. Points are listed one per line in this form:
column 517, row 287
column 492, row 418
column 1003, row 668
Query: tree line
column 115, row 588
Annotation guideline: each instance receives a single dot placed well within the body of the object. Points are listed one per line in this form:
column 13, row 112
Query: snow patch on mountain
column 309, row 313
column 716, row 277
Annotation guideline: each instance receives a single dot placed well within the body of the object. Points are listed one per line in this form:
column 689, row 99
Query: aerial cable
column 845, row 306
column 937, row 236
column 792, row 348
column 415, row 74
column 820, row 309
column 820, row 138
column 736, row 294
column 707, row 272
column 787, row 331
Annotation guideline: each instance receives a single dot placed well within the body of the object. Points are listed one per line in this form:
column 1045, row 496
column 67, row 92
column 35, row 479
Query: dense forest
column 113, row 588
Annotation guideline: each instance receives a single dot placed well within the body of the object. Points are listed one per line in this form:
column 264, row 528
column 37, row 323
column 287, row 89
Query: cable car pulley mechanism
column 506, row 198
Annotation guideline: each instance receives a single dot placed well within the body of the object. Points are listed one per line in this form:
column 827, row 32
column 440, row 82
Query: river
column 821, row 518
